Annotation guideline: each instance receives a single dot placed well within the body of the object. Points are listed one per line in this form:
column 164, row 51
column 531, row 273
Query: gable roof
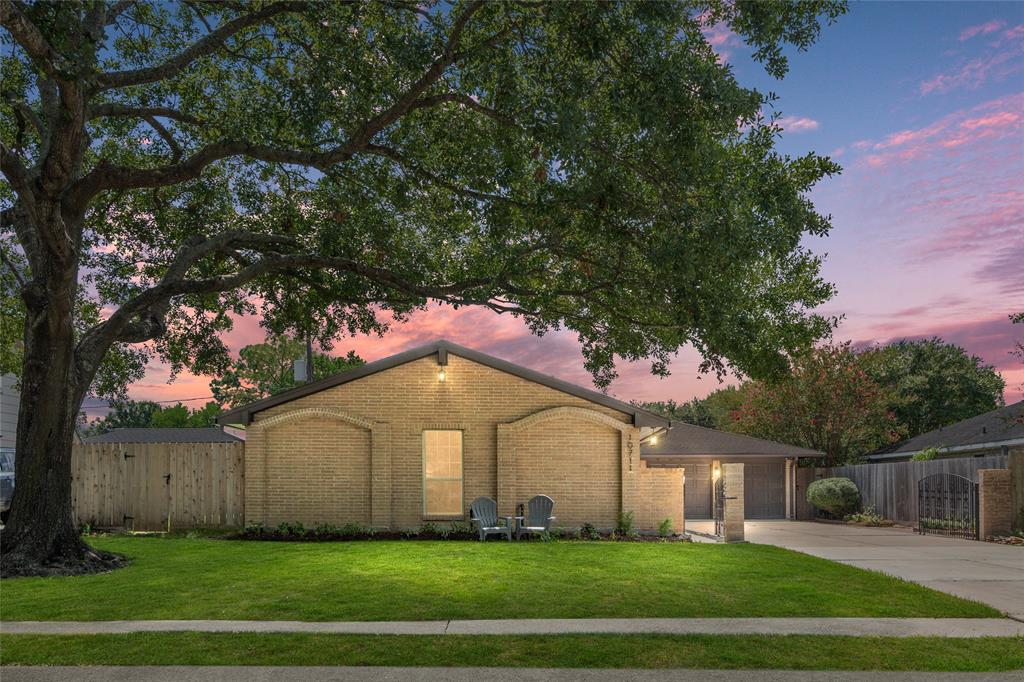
column 689, row 439
column 244, row 414
column 210, row 434
column 998, row 427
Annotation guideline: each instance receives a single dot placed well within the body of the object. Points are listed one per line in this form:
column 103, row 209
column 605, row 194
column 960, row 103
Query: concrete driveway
column 982, row 571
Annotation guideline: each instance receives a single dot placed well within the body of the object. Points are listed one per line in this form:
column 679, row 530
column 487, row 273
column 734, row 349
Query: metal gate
column 947, row 504
column 720, row 505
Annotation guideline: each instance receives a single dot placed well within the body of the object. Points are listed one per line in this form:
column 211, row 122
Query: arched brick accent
column 508, row 485
column 313, row 412
column 569, row 413
column 380, row 460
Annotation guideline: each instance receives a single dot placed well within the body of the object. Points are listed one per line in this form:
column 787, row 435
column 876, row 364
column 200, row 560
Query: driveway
column 983, row 571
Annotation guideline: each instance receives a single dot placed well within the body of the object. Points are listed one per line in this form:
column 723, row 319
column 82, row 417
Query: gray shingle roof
column 202, row 435
column 1002, row 424
column 687, row 439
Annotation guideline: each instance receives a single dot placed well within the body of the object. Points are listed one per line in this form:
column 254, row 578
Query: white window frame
column 461, row 479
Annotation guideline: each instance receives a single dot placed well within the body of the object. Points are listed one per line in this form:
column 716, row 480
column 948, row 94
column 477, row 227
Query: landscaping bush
column 869, row 517
column 926, row 455
column 836, row 496
column 665, row 528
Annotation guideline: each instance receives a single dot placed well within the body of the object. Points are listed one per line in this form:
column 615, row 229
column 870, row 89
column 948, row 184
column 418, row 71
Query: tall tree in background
column 331, row 166
column 264, row 369
column 142, row 414
column 933, row 383
column 827, row 403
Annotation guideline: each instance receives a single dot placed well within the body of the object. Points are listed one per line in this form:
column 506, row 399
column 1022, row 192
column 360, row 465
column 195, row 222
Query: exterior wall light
column 441, row 376
column 654, row 440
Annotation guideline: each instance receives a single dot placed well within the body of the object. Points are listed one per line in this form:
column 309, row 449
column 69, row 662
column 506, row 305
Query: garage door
column 764, row 490
column 697, row 495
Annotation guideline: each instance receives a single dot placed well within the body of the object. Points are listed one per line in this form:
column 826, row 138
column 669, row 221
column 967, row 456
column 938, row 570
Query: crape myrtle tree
column 333, row 166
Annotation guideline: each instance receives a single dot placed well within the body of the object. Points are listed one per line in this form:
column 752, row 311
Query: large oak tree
column 332, row 165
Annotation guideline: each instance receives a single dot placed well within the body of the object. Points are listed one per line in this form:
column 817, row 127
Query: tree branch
column 105, row 177
column 201, row 48
column 123, row 110
column 10, row 266
column 167, row 137
column 29, row 37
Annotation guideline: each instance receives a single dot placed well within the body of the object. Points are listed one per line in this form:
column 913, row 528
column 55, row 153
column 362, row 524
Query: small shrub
column 545, row 536
column 429, row 529
column 837, row 496
column 354, row 530
column 665, row 528
column 625, row 526
column 589, row 532
column 925, row 455
column 869, row 517
column 286, row 528
column 459, row 528
column 254, row 528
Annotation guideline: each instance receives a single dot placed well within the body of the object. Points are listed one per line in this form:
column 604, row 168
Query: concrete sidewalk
column 292, row 674
column 882, row 627
column 981, row 571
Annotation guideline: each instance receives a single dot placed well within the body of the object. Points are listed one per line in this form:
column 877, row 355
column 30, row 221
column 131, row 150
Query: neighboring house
column 998, row 432
column 210, row 434
column 769, row 471
column 416, row 437
column 9, row 400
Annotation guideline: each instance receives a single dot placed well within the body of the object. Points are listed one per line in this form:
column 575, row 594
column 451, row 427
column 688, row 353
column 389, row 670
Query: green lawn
column 194, row 579
column 575, row 651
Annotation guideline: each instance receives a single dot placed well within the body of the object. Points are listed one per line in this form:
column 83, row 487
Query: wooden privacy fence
column 891, row 487
column 153, row 486
column 1016, row 466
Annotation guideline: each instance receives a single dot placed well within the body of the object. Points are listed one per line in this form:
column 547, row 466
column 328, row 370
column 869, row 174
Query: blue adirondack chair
column 484, row 513
column 538, row 516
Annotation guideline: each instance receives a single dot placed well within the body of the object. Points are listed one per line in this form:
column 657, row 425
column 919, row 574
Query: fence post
column 995, row 502
column 734, row 512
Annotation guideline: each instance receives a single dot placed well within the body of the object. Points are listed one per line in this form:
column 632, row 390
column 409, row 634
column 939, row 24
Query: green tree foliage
column 933, row 383
column 717, row 411
column 125, row 414
column 264, row 369
column 827, row 403
column 837, row 496
column 333, row 166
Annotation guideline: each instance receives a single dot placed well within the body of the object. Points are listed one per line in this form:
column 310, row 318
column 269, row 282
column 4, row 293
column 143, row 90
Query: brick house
column 415, row 437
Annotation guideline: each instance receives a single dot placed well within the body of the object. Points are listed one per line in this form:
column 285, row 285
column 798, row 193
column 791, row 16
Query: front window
column 442, row 473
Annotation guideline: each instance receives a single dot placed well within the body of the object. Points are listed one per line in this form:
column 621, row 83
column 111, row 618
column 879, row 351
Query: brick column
column 506, row 473
column 734, row 518
column 380, row 475
column 995, row 503
column 255, row 474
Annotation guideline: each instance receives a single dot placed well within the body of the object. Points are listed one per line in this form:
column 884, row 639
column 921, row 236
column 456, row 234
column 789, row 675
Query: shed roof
column 187, row 435
column 991, row 429
column 691, row 440
column 442, row 348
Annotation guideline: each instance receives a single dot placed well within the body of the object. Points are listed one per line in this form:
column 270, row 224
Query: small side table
column 509, row 522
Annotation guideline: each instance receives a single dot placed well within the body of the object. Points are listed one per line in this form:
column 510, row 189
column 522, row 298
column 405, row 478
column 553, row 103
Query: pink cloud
column 721, row 38
column 1015, row 33
column 797, row 124
column 981, row 29
column 973, row 73
column 998, row 119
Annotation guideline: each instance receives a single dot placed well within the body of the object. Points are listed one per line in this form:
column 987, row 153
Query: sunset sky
column 923, row 106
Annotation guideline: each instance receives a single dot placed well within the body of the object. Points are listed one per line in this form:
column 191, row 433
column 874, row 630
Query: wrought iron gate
column 947, row 504
column 719, row 505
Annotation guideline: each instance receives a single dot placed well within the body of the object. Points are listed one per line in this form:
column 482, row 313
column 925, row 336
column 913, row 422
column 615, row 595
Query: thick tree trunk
column 40, row 537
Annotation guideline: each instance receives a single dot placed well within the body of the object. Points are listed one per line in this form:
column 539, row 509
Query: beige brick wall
column 660, row 493
column 319, row 471
column 301, row 468
column 576, row 463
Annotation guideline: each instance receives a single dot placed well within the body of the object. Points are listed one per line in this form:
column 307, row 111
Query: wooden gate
column 154, row 486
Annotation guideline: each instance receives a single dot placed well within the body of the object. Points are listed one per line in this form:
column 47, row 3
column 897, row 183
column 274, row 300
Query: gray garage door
column 697, row 495
column 764, row 490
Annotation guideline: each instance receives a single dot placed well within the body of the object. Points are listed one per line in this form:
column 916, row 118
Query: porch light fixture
column 654, row 440
column 441, row 376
